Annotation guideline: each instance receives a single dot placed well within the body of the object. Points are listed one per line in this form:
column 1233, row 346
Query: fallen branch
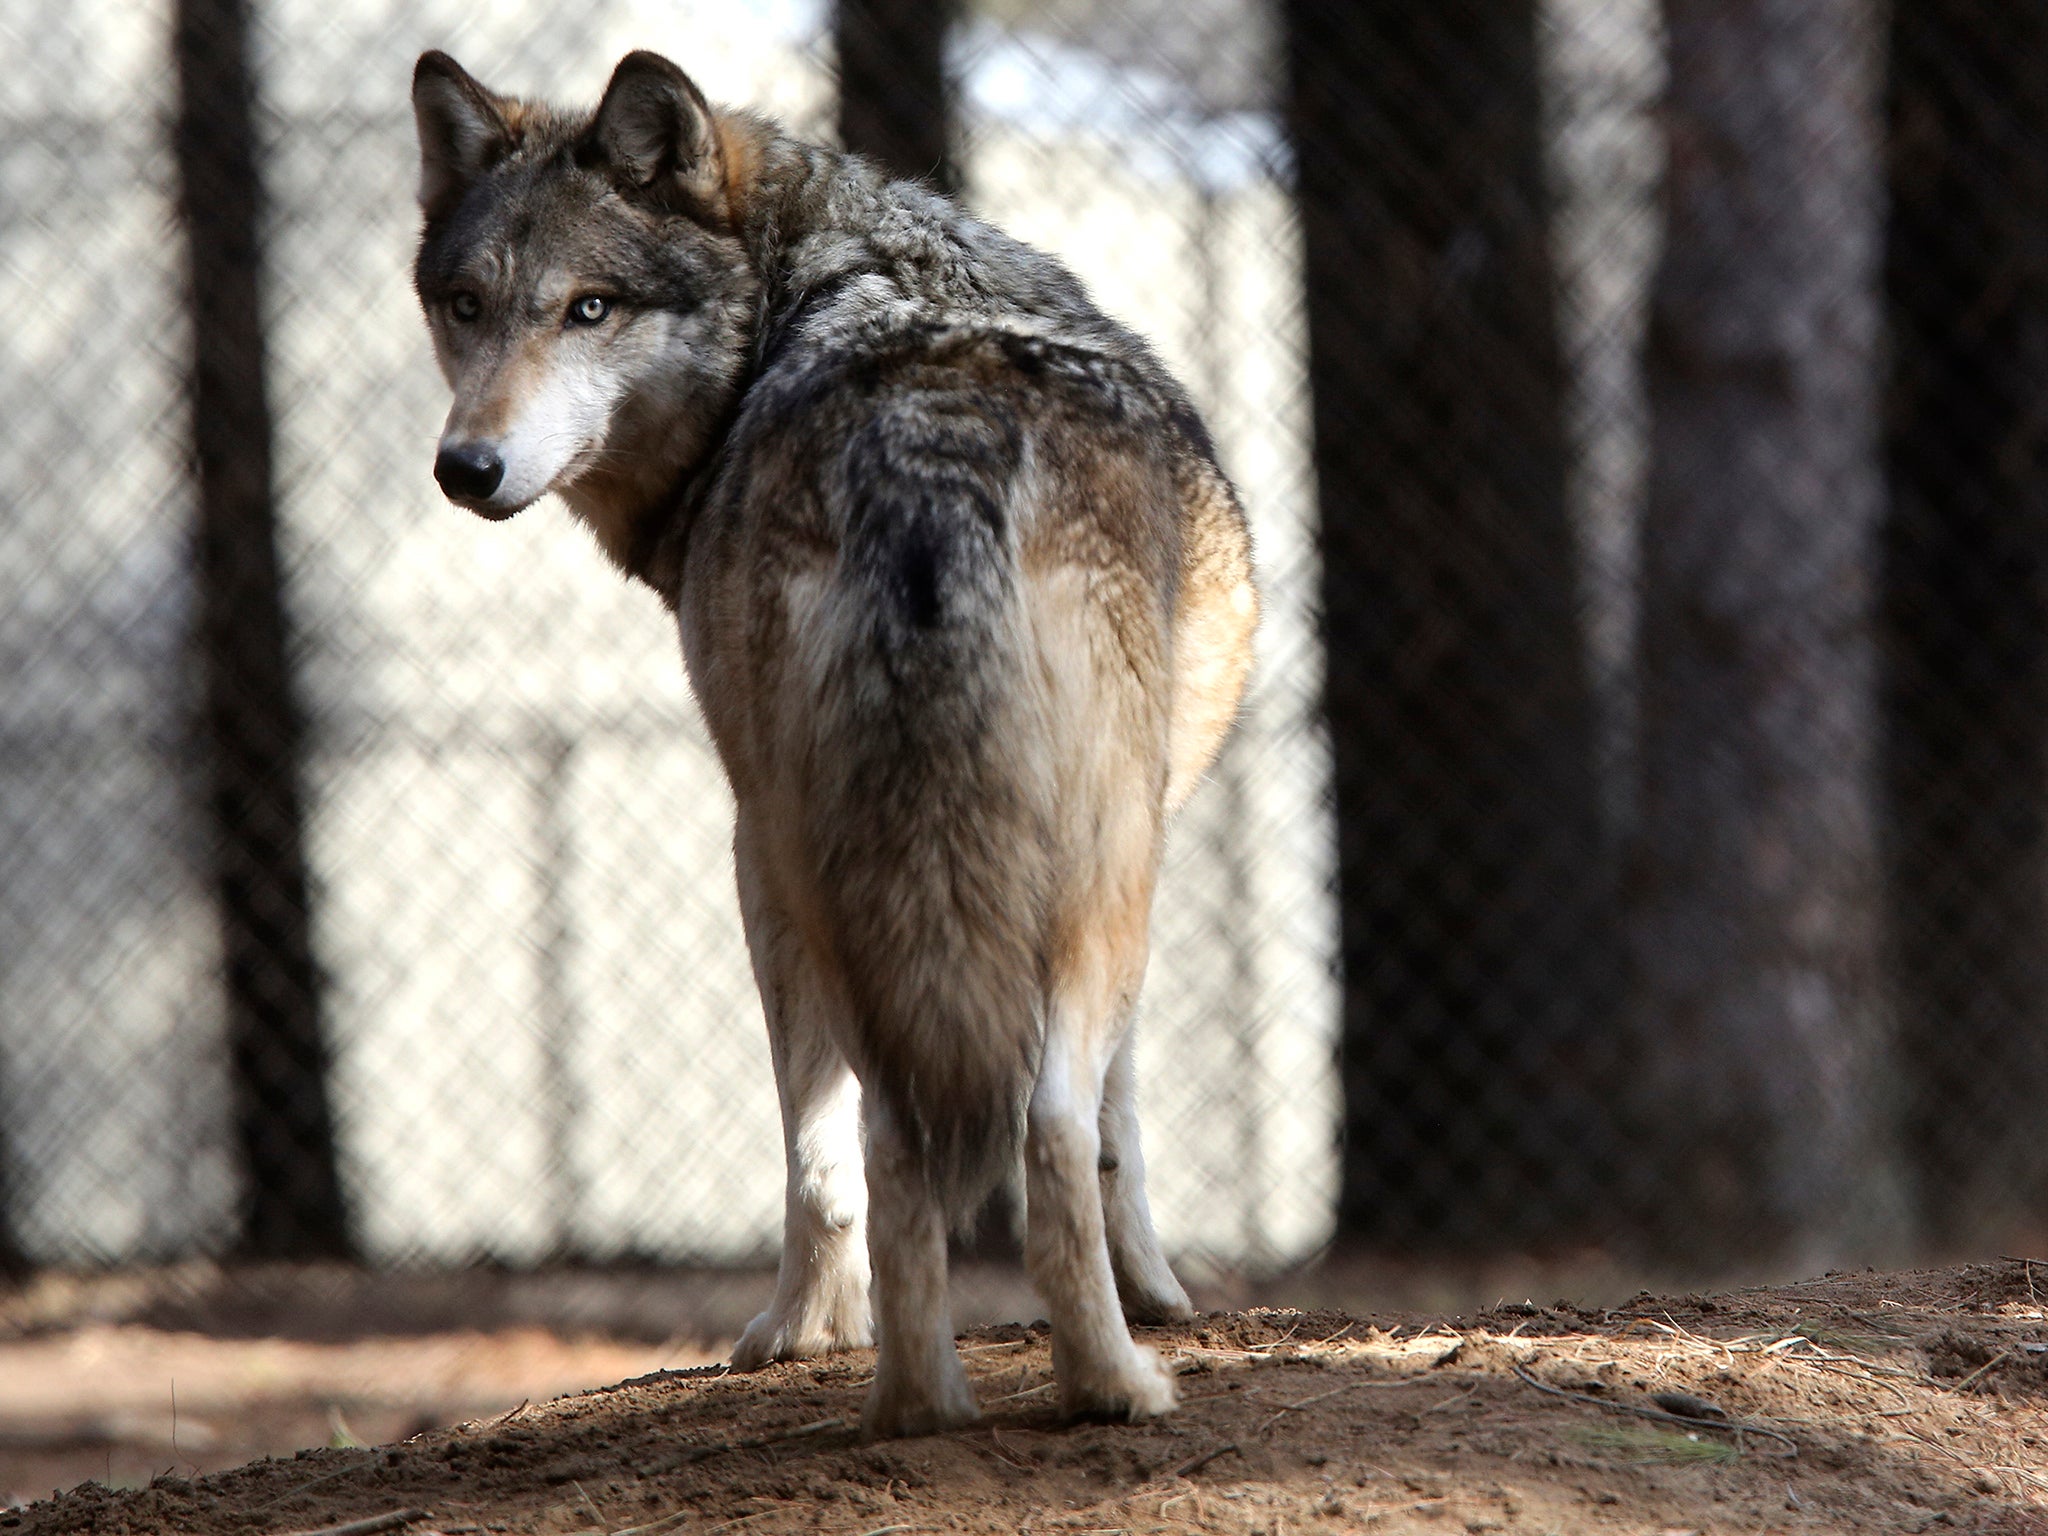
column 669, row 1522
column 1449, row 1402
column 1737, row 1427
column 675, row 1521
column 1349, row 1386
column 1195, row 1464
column 1975, row 1376
column 1011, row 1397
column 371, row 1525
column 758, row 1442
column 325, row 1477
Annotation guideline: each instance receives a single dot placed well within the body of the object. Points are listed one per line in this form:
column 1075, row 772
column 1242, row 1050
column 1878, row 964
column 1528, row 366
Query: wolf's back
column 930, row 784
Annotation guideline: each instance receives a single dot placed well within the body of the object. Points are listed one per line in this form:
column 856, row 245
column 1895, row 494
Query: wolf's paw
column 1145, row 1285
column 800, row 1333
column 1138, row 1387
column 1156, row 1298
column 898, row 1408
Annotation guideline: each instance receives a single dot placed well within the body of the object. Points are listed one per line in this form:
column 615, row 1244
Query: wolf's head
column 590, row 303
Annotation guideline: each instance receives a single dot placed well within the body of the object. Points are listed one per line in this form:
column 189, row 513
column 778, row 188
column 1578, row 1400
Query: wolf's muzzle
column 469, row 472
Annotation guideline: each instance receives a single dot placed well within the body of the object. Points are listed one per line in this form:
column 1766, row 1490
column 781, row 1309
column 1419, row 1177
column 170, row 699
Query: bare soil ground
column 1908, row 1402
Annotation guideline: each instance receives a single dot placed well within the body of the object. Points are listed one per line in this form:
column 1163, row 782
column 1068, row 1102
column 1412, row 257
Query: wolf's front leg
column 1144, row 1284
column 920, row 1386
column 821, row 1287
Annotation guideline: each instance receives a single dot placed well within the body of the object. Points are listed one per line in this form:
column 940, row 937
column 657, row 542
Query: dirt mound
column 1913, row 1402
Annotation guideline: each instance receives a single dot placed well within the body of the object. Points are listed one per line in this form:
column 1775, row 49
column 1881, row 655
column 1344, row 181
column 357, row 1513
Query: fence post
column 895, row 102
column 251, row 733
column 13, row 1258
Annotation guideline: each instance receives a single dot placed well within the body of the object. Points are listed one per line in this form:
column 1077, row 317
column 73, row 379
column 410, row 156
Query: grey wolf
column 967, row 605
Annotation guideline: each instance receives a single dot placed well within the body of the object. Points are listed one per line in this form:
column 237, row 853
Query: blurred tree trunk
column 1753, row 876
column 895, row 100
column 1477, row 930
column 1966, row 602
column 292, row 1204
column 13, row 1258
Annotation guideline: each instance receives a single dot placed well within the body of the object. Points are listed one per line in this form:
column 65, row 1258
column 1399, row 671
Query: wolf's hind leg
column 920, row 1386
column 1102, row 1372
column 821, row 1286
column 1145, row 1285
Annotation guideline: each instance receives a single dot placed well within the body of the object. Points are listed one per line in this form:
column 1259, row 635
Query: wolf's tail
column 931, row 799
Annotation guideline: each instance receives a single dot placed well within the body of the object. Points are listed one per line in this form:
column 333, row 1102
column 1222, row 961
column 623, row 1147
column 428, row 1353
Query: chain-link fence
column 1635, row 832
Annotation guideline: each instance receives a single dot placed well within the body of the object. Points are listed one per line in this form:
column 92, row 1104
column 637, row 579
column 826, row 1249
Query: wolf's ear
column 463, row 131
column 654, row 130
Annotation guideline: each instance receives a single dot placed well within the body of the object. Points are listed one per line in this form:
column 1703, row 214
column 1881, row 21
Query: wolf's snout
column 469, row 471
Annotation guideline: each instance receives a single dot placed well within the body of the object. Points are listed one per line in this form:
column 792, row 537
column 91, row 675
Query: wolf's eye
column 590, row 309
column 465, row 306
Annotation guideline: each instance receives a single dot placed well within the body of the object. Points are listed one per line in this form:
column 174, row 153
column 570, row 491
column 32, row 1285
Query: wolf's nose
column 469, row 471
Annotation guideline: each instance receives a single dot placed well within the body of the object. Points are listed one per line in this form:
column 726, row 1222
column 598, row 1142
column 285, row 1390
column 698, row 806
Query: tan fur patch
column 490, row 411
column 740, row 144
